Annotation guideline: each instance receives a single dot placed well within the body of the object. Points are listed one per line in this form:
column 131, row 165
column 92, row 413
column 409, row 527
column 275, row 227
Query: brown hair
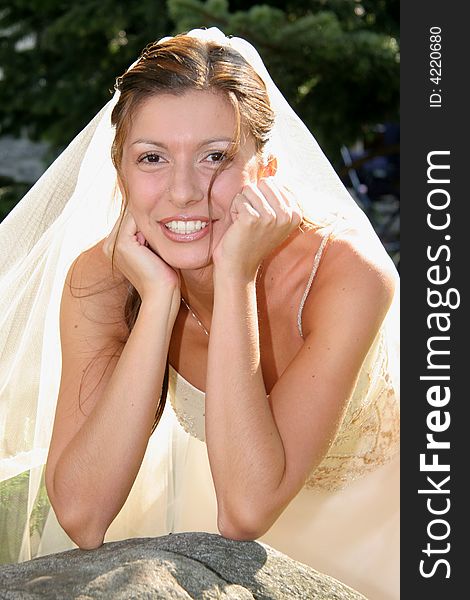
column 175, row 66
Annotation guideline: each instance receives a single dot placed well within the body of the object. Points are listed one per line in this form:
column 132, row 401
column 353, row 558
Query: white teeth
column 184, row 227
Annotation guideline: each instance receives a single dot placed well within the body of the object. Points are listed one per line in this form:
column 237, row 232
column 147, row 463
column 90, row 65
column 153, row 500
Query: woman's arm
column 262, row 449
column 96, row 451
column 245, row 446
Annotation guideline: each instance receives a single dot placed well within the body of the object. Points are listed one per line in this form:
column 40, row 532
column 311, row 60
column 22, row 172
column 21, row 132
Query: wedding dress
column 344, row 521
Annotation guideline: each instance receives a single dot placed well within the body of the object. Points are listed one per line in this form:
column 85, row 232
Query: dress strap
column 316, row 262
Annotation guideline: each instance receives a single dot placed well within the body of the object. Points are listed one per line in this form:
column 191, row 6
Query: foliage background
column 336, row 61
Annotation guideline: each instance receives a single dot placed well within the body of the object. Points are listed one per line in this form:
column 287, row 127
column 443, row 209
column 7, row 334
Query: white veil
column 68, row 210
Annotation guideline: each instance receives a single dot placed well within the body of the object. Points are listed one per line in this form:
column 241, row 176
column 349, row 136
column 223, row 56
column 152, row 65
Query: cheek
column 144, row 191
column 231, row 182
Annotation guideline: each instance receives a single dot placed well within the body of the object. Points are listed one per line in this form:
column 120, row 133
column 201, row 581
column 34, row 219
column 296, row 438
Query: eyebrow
column 162, row 145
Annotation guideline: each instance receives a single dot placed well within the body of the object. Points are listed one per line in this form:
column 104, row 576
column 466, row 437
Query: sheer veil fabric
column 73, row 206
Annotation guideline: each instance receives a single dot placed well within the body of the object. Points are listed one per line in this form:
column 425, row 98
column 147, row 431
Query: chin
column 192, row 265
column 186, row 259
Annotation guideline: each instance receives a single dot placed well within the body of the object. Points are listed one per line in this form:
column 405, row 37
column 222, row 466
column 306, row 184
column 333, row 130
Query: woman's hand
column 263, row 215
column 139, row 264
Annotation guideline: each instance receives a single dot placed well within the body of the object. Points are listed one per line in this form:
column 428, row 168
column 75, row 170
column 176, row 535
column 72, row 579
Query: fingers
column 128, row 227
column 275, row 204
column 141, row 239
column 241, row 206
column 264, row 206
column 125, row 228
column 283, row 200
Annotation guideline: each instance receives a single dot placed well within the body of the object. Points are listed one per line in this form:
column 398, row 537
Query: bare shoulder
column 356, row 254
column 356, row 279
column 93, row 266
column 94, row 295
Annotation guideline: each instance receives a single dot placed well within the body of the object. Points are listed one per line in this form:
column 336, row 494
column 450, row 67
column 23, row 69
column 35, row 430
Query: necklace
column 198, row 320
column 194, row 314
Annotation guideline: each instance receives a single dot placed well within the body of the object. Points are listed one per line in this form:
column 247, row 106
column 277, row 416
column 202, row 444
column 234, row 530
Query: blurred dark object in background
column 11, row 192
column 371, row 172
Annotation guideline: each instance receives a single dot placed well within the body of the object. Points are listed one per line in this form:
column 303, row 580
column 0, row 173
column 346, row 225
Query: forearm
column 96, row 471
column 244, row 445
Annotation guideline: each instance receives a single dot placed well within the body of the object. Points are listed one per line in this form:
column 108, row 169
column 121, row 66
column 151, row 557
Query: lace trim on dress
column 188, row 403
column 367, row 438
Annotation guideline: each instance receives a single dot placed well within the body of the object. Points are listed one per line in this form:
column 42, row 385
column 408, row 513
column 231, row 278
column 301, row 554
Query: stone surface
column 178, row 566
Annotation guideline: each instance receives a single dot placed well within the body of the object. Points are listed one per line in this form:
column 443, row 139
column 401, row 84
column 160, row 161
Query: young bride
column 241, row 282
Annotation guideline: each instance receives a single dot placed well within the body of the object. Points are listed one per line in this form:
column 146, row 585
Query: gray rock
column 21, row 159
column 178, row 566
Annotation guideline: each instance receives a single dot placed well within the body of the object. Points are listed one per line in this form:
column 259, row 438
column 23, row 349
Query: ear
column 269, row 169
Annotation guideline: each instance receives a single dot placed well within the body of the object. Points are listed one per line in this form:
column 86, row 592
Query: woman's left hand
column 263, row 215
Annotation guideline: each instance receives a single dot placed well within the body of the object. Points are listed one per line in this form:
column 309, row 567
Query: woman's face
column 174, row 145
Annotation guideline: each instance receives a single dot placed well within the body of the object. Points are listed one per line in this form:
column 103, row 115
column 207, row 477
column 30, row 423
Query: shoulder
column 355, row 277
column 356, row 253
column 93, row 266
column 95, row 295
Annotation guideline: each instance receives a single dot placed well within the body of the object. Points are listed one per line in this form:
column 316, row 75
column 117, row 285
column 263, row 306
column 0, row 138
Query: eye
column 216, row 157
column 150, row 158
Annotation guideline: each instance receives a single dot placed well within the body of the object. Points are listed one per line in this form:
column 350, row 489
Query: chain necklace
column 198, row 320
column 195, row 315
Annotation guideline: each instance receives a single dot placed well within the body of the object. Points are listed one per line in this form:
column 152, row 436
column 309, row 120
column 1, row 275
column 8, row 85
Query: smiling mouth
column 186, row 227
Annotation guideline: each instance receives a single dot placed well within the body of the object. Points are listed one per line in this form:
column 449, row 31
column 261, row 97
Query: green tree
column 59, row 60
column 336, row 61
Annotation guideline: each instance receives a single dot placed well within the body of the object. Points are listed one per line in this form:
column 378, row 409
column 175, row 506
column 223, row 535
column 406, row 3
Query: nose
column 185, row 186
